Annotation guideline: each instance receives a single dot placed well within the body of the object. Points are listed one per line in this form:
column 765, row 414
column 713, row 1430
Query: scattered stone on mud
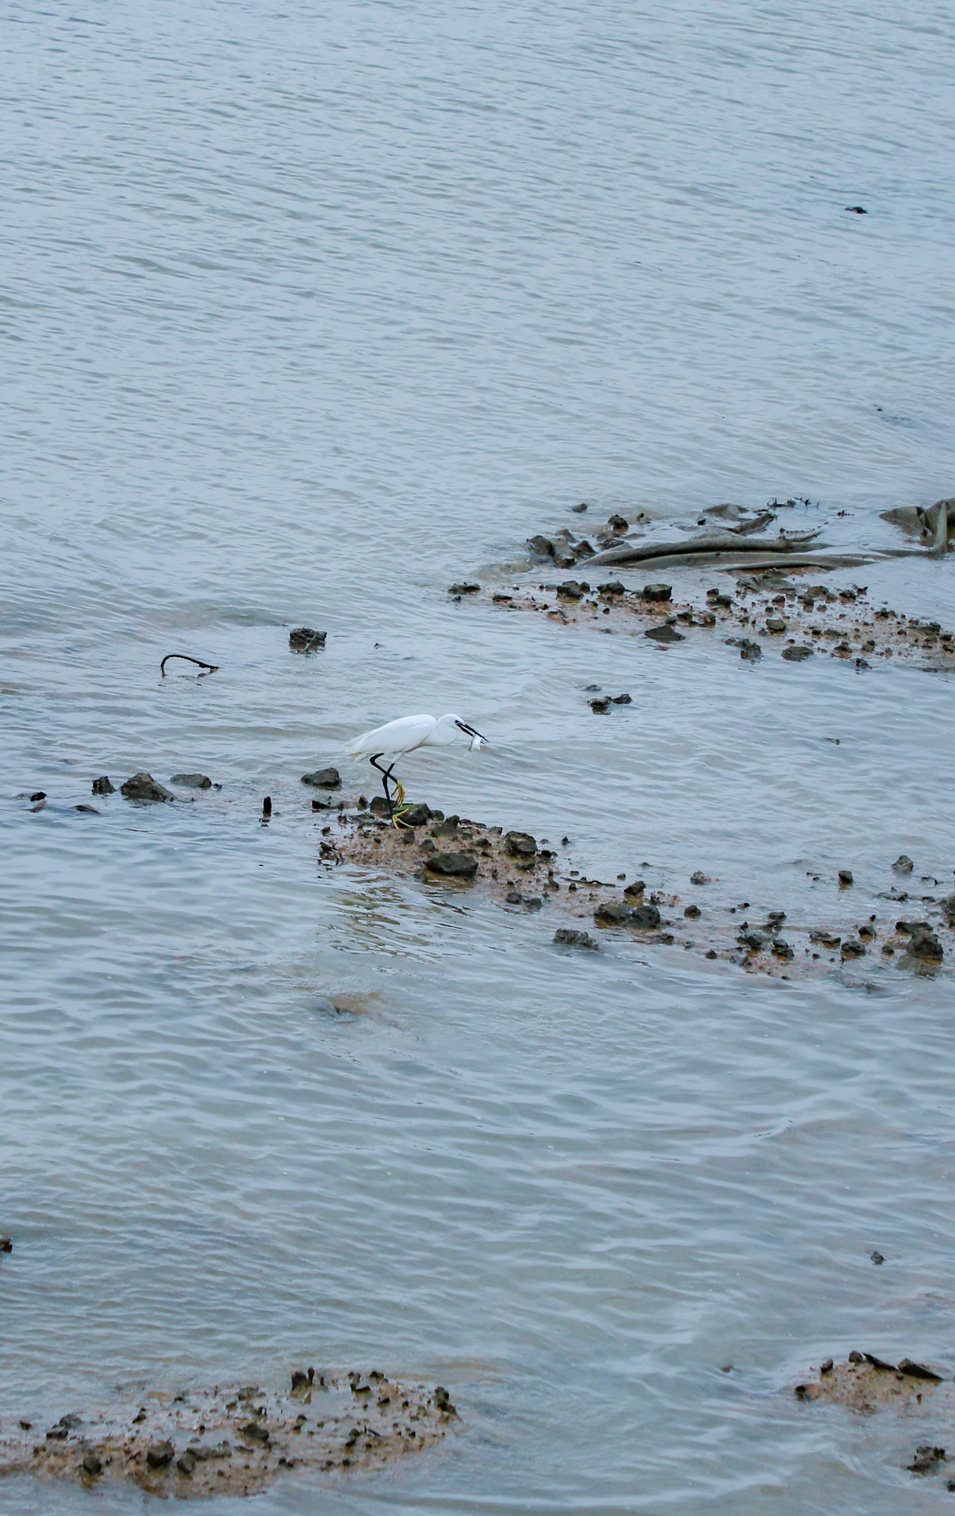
column 203, row 1442
column 463, row 589
column 305, row 639
column 453, row 865
column 192, row 781
column 143, row 786
column 567, row 937
column 845, row 877
column 520, row 844
column 324, row 779
column 664, row 634
column 797, row 654
column 656, row 591
column 102, row 786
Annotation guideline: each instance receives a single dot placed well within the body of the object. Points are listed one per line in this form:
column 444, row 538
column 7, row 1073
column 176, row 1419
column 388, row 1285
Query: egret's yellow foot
column 400, row 792
column 396, row 819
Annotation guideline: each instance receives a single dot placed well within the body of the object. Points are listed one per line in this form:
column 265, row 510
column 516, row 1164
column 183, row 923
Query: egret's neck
column 445, row 731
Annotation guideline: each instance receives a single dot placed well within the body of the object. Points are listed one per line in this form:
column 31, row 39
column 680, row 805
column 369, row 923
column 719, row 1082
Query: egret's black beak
column 470, row 731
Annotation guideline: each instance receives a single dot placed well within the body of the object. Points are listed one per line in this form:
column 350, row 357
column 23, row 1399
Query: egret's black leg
column 384, row 782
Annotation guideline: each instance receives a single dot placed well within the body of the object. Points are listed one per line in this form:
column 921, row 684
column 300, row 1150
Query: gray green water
column 306, row 313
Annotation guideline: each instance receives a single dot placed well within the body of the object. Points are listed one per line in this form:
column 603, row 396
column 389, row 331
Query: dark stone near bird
column 752, row 940
column 305, row 639
column 851, row 948
column 657, row 591
column 825, row 939
column 612, row 913
column 324, row 779
column 91, row 1464
column 38, row 795
column 192, row 781
column 519, row 844
column 663, row 634
column 645, row 917
column 903, row 864
column 845, row 877
column 880, row 1363
column 542, row 547
column 453, row 865
column 102, row 786
column 617, row 523
column 775, row 624
column 621, row 700
column 463, row 589
column 143, row 786
column 416, row 815
column 635, row 890
column 877, row 1257
column 428, row 846
column 782, row 950
column 160, row 1455
column 797, row 654
column 566, row 937
column 571, row 590
column 380, row 806
column 613, row 588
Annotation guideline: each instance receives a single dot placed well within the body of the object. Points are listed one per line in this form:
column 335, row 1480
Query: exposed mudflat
column 232, row 1440
column 891, row 929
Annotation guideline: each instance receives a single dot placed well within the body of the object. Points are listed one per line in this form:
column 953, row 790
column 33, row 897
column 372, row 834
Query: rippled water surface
column 308, row 312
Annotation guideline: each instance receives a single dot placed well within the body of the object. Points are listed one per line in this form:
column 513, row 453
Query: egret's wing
column 399, row 736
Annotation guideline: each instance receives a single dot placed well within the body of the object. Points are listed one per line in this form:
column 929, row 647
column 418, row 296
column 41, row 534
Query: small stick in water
column 210, row 668
column 266, row 807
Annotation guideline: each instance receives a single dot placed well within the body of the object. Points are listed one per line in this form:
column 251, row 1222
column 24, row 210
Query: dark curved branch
column 210, row 668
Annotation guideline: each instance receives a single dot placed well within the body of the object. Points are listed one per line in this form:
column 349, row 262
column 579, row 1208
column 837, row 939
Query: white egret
column 403, row 736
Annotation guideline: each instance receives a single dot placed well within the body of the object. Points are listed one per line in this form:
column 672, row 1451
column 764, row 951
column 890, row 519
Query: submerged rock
column 567, row 937
column 143, row 786
column 192, row 781
column 305, row 639
column 102, row 786
column 797, row 654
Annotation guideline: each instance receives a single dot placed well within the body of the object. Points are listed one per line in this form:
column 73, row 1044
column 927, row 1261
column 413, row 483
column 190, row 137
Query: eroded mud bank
column 232, row 1439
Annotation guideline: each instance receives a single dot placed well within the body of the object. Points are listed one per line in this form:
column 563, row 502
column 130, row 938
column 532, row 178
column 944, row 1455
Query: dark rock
column 143, row 786
column 845, row 876
column 463, row 589
column 186, row 1462
column 914, row 1370
column 663, row 634
column 571, row 590
column 567, row 937
column 6, row 1243
column 782, row 950
column 617, row 523
column 91, row 1464
column 89, row 809
column 699, row 877
column 826, row 1368
column 880, row 1363
column 416, row 815
column 160, row 1455
column 855, row 1357
column 948, row 909
column 825, row 939
column 305, row 639
column 877, row 1257
column 192, row 781
column 102, row 786
column 600, row 707
column 858, row 210
column 692, row 912
column 38, row 795
column 441, row 1397
column 851, row 948
column 903, row 864
column 614, row 587
column 924, row 944
column 645, row 917
column 519, row 844
column 927, row 1458
column 657, row 591
column 542, row 547
column 775, row 624
column 513, row 897
column 254, row 1431
column 578, row 509
column 533, row 902
column 621, row 700
column 635, row 890
column 749, row 650
column 797, row 654
column 324, row 779
column 612, row 913
column 752, row 940
column 453, row 865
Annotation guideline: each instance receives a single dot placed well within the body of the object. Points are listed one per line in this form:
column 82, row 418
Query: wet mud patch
column 869, row 1385
column 857, row 933
column 233, row 1440
column 763, row 614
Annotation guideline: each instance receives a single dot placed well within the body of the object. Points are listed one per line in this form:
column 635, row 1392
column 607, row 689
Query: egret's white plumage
column 404, row 736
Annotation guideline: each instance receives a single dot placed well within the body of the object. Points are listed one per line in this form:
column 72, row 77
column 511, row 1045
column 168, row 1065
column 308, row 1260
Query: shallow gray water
column 309, row 312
